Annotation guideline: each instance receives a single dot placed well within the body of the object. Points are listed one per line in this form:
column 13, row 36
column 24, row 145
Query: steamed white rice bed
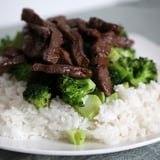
column 136, row 114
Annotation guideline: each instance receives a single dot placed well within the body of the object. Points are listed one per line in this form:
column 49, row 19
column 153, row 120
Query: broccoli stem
column 91, row 108
column 77, row 136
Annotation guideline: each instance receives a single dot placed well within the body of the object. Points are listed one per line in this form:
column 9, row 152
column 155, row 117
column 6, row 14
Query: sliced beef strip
column 57, row 55
column 100, row 51
column 33, row 45
column 102, row 46
column 56, row 19
column 75, row 43
column 124, row 42
column 47, row 33
column 77, row 50
column 117, row 40
column 52, row 54
column 10, row 51
column 100, row 61
column 36, row 23
column 103, row 26
column 56, row 37
column 83, row 28
column 12, row 61
column 42, row 31
column 6, row 63
column 30, row 16
column 102, row 79
column 64, row 57
column 73, row 71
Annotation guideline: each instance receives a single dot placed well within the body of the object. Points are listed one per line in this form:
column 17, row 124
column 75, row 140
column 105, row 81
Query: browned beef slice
column 83, row 28
column 100, row 61
column 56, row 19
column 124, row 42
column 52, row 53
column 42, row 31
column 102, row 79
column 77, row 51
column 6, row 63
column 103, row 26
column 12, row 61
column 10, row 51
column 30, row 16
column 73, row 71
column 75, row 42
column 101, row 48
column 64, row 57
column 33, row 45
column 100, row 51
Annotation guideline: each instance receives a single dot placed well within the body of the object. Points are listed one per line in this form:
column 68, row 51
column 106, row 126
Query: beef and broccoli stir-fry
column 72, row 58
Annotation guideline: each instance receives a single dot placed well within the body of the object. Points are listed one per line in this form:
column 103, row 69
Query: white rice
column 134, row 115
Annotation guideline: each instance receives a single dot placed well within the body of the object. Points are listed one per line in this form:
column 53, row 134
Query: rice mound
column 134, row 115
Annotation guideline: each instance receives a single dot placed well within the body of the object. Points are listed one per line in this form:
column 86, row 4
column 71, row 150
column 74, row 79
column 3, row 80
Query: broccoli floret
column 142, row 70
column 133, row 71
column 73, row 90
column 50, row 80
column 7, row 41
column 118, row 73
column 116, row 53
column 37, row 95
column 82, row 95
column 22, row 72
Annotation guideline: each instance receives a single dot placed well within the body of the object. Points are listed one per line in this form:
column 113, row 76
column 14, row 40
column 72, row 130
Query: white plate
column 144, row 47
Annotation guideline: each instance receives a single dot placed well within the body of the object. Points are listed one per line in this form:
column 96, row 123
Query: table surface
column 143, row 18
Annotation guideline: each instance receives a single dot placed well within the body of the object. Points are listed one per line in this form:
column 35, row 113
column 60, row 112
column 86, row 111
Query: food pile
column 79, row 61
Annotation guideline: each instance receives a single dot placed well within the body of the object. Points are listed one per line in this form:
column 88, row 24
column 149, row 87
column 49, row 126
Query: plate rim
column 142, row 142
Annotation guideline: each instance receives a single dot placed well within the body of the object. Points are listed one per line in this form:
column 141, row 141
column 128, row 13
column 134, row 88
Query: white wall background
column 10, row 10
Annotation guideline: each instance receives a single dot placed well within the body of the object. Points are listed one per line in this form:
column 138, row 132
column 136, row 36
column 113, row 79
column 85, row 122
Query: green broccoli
column 82, row 95
column 22, row 72
column 112, row 97
column 118, row 74
column 142, row 70
column 91, row 106
column 100, row 95
column 37, row 95
column 117, row 53
column 77, row 136
column 133, row 71
column 7, row 41
column 73, row 90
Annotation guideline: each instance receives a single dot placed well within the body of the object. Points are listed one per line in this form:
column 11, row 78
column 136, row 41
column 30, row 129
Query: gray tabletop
column 139, row 17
